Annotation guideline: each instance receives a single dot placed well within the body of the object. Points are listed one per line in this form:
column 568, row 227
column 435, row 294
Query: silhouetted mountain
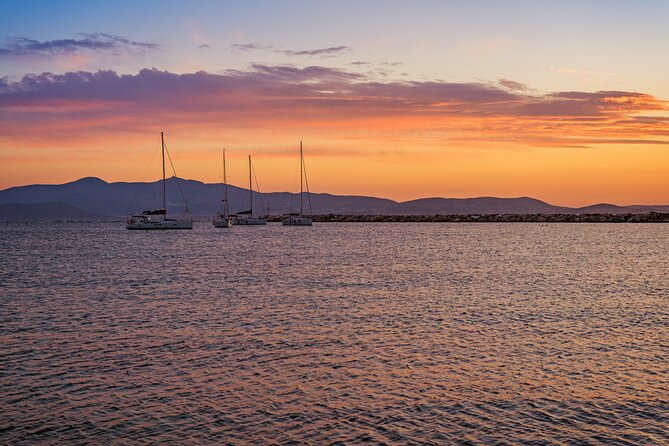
column 96, row 196
column 605, row 208
column 40, row 211
column 480, row 205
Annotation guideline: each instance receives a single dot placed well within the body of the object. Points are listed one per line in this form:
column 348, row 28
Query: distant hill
column 480, row 205
column 40, row 211
column 97, row 197
column 605, row 208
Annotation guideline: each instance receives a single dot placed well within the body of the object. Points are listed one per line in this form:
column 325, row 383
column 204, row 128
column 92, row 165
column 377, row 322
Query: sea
column 336, row 334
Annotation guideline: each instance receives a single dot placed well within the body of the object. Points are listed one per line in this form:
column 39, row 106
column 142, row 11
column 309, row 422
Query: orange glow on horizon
column 622, row 174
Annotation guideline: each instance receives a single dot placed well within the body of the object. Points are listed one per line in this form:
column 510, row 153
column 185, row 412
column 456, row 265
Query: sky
column 564, row 101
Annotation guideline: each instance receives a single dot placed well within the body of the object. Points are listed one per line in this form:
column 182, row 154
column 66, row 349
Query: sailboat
column 300, row 219
column 246, row 218
column 157, row 219
column 224, row 220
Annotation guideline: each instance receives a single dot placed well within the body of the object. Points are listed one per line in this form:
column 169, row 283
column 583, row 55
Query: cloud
column 98, row 42
column 513, row 85
column 332, row 51
column 292, row 74
column 204, row 46
column 239, row 48
column 326, row 52
column 70, row 105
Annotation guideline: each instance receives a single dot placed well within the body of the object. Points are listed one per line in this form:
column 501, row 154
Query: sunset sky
column 563, row 101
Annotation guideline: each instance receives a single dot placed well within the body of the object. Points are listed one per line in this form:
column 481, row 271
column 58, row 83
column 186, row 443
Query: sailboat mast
column 301, row 161
column 162, row 143
column 250, row 187
column 225, row 183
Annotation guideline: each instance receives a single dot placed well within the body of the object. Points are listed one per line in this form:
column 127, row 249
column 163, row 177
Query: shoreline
column 651, row 217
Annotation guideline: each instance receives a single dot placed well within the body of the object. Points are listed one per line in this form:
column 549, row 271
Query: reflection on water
column 339, row 333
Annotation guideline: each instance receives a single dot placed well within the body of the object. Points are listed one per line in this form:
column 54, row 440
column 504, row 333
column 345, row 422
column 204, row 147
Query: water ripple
column 337, row 334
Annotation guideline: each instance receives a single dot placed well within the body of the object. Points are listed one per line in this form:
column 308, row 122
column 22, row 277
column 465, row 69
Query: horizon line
column 341, row 195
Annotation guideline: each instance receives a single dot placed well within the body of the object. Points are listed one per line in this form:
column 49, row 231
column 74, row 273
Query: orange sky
column 566, row 102
column 400, row 140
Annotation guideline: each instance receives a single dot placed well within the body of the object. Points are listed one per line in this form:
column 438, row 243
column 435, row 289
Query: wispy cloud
column 239, row 48
column 98, row 42
column 513, row 85
column 332, row 51
column 196, row 34
column 325, row 52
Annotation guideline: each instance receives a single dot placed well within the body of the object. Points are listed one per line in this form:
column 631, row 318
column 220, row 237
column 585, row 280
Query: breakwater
column 651, row 217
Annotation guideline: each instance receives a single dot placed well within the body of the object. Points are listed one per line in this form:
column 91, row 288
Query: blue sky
column 547, row 45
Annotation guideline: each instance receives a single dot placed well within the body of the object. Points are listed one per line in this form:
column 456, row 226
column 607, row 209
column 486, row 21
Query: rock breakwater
column 651, row 217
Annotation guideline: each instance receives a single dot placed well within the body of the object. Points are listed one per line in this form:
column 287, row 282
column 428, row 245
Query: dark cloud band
column 99, row 42
column 477, row 110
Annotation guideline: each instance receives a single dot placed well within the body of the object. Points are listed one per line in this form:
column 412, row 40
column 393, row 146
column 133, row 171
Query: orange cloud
column 318, row 96
column 425, row 127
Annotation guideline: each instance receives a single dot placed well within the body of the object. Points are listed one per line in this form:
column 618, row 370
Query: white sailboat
column 246, row 218
column 157, row 219
column 223, row 220
column 300, row 219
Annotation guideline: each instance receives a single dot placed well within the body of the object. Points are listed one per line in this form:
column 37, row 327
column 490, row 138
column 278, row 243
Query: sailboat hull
column 250, row 221
column 298, row 221
column 222, row 222
column 159, row 225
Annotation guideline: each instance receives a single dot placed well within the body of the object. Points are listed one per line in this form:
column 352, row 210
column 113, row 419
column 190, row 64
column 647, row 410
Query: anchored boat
column 299, row 219
column 223, row 220
column 157, row 218
column 246, row 218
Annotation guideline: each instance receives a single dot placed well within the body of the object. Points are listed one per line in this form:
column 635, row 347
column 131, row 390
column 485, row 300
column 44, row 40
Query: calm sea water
column 335, row 334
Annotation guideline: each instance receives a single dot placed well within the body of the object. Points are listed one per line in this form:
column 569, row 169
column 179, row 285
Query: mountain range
column 93, row 198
